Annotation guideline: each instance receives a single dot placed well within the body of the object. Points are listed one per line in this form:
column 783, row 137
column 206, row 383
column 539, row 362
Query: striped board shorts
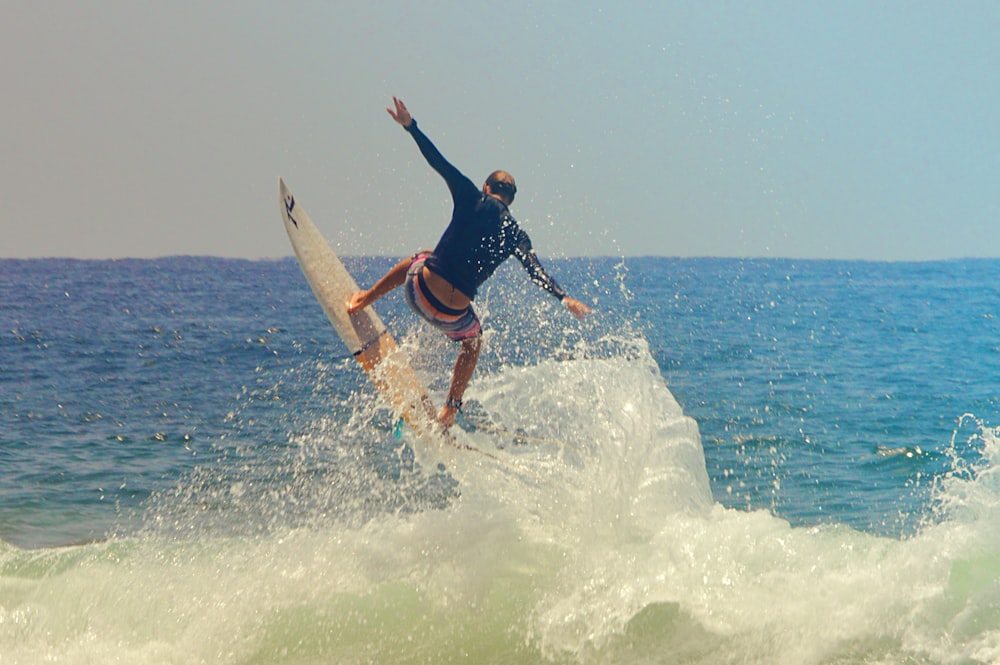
column 457, row 324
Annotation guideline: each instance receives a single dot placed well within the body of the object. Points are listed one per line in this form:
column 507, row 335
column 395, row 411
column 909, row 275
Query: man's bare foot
column 447, row 416
column 357, row 302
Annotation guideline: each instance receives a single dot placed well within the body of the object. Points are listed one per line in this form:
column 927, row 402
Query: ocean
column 732, row 461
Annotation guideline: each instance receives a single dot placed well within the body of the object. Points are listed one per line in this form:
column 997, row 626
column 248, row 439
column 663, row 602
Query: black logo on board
column 289, row 206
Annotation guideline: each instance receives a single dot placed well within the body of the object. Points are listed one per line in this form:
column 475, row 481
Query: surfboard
column 363, row 333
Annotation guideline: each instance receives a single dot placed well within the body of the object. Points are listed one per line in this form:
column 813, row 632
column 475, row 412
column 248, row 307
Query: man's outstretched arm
column 456, row 181
column 526, row 255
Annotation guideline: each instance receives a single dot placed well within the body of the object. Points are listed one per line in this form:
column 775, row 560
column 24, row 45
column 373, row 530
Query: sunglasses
column 503, row 188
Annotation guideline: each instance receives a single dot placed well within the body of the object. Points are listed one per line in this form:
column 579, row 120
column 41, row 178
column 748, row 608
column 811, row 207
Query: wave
column 595, row 539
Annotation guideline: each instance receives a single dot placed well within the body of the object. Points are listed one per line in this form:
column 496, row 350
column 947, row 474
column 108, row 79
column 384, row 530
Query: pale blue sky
column 845, row 129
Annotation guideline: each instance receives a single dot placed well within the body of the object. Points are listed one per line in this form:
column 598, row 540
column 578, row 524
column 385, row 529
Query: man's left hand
column 578, row 308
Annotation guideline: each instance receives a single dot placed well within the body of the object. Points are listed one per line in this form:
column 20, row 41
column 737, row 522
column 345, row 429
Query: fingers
column 394, row 113
column 400, row 114
column 578, row 309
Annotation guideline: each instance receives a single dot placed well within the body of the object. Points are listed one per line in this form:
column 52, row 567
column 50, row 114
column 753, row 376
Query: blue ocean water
column 760, row 461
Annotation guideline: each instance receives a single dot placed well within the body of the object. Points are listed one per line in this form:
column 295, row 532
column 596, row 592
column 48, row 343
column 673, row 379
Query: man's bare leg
column 395, row 277
column 465, row 365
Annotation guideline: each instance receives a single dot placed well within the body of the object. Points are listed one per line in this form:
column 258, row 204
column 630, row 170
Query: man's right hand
column 400, row 115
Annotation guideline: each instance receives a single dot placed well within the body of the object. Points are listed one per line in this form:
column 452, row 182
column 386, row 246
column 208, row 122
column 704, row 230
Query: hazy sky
column 786, row 129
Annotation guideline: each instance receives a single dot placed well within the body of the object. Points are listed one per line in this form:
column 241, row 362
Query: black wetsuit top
column 482, row 233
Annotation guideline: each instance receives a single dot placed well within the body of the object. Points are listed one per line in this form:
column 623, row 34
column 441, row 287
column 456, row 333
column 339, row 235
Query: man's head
column 501, row 185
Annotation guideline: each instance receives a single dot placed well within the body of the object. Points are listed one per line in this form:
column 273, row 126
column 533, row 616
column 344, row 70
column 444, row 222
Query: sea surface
column 731, row 461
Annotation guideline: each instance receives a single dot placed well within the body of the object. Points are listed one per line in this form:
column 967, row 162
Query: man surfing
column 440, row 284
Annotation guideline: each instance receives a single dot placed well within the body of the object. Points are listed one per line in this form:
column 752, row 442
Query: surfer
column 440, row 284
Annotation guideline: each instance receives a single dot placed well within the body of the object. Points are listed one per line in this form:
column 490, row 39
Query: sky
column 827, row 130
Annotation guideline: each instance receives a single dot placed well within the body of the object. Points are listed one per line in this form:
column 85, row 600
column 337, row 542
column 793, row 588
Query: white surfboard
column 364, row 334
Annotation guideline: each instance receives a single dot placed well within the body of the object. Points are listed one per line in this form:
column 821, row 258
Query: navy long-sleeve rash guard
column 482, row 233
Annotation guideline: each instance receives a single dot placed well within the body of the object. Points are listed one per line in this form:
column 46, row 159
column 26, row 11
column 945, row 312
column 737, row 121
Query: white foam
column 600, row 544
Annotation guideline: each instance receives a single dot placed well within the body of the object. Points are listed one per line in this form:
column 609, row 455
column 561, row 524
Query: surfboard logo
column 289, row 206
